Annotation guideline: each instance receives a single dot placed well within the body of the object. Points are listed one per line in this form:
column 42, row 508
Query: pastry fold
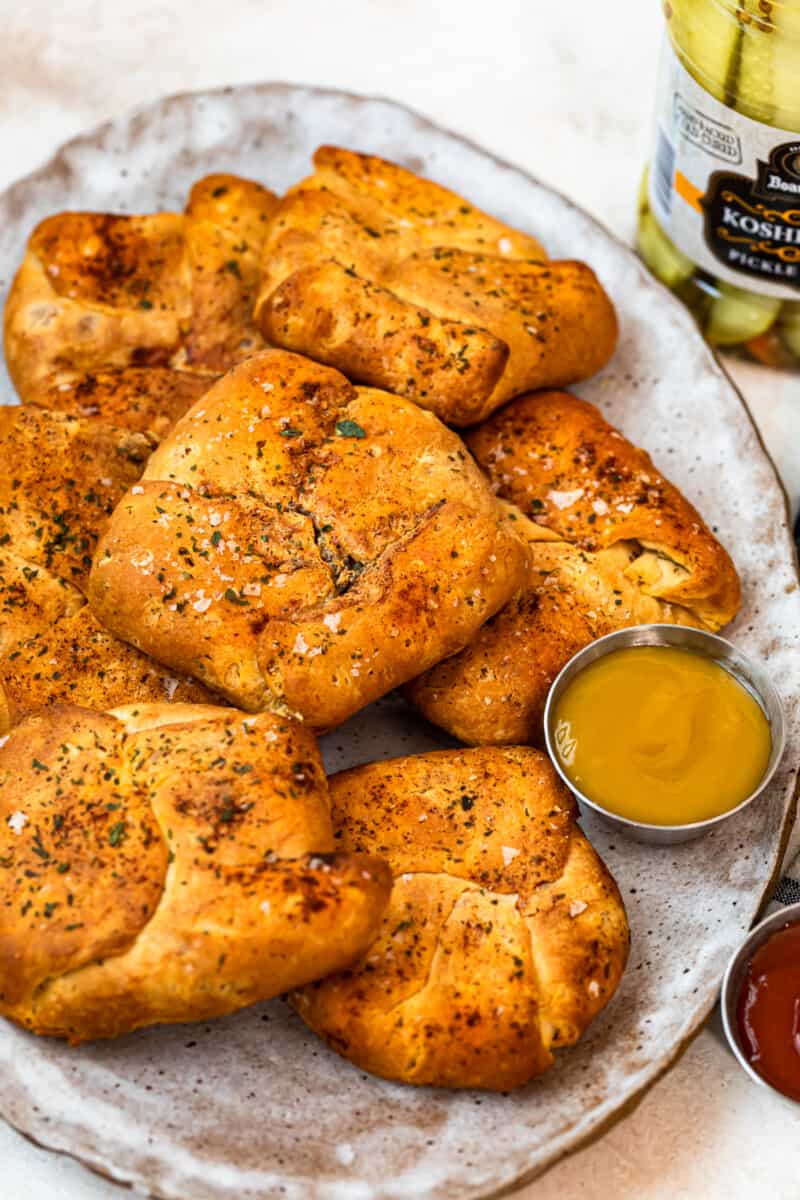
column 131, row 318
column 403, row 285
column 558, row 459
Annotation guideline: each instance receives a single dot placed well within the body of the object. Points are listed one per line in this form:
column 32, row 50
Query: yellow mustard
column 661, row 735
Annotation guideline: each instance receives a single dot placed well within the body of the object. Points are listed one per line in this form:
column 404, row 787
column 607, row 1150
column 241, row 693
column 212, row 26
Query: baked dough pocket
column 168, row 863
column 302, row 545
column 62, row 477
column 505, row 934
column 612, row 543
column 132, row 318
column 403, row 285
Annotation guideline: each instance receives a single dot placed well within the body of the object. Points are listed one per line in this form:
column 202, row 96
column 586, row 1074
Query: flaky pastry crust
column 302, row 545
column 131, row 318
column 611, row 543
column 162, row 864
column 403, row 285
column 505, row 935
column 557, row 458
column 64, row 476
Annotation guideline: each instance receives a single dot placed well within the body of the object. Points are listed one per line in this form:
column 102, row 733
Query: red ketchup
column 769, row 1011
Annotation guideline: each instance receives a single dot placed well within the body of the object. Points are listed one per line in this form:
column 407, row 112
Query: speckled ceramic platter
column 254, row 1107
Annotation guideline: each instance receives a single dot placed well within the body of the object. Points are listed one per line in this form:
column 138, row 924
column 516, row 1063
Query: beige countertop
column 566, row 91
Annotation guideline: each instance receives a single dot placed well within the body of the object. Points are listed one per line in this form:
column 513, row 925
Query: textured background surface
column 536, row 84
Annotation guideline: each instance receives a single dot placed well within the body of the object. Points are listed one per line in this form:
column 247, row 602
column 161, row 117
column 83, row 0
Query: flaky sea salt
column 565, row 499
column 345, row 1154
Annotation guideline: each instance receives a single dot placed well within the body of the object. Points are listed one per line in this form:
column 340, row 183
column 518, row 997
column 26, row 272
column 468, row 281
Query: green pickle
column 707, row 40
column 745, row 53
column 789, row 326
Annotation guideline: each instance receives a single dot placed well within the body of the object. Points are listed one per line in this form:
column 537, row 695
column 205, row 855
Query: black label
column 753, row 225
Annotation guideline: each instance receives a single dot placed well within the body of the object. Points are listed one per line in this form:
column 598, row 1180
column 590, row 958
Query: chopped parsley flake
column 116, row 833
column 350, row 428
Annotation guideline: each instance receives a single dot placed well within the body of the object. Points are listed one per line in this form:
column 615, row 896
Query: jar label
column 725, row 188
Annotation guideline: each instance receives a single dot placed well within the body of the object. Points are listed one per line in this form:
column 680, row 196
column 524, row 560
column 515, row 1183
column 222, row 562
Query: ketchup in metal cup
column 769, row 1011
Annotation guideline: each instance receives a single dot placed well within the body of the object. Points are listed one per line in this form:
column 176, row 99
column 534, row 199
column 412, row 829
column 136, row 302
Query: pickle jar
column 719, row 207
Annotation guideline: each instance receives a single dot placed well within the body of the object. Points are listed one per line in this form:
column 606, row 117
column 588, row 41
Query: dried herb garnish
column 350, row 428
column 38, row 848
column 116, row 833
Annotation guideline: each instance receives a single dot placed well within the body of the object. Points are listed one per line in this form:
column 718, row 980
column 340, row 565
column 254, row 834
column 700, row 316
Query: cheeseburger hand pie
column 161, row 864
column 505, row 934
column 302, row 545
column 611, row 543
column 404, row 285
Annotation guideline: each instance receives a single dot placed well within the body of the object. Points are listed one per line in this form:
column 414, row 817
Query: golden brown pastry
column 611, row 544
column 226, row 224
column 403, row 285
column 562, row 463
column 60, row 480
column 72, row 659
column 505, row 934
column 166, row 864
column 494, row 691
column 152, row 309
column 63, row 477
column 302, row 545
column 142, row 399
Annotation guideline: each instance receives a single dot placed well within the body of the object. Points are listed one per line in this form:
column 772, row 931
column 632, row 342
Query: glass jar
column 719, row 207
